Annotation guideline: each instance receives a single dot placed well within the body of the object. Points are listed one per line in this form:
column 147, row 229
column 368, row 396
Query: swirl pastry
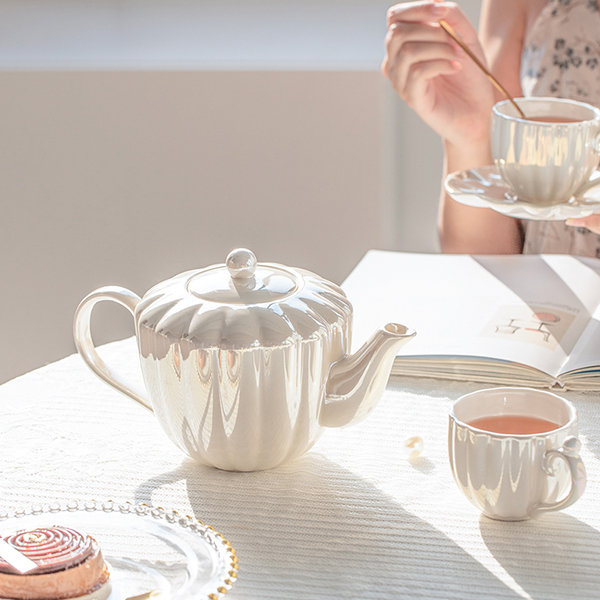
column 69, row 566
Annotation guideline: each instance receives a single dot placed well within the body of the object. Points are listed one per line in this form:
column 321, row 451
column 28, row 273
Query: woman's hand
column 434, row 75
column 592, row 223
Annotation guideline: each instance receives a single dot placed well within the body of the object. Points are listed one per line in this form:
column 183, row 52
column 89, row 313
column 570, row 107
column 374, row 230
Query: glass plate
column 148, row 549
column 485, row 188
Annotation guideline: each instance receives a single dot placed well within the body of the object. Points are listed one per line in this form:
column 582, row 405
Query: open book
column 514, row 320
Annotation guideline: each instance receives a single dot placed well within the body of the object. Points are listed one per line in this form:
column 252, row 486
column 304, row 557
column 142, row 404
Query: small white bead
column 413, row 446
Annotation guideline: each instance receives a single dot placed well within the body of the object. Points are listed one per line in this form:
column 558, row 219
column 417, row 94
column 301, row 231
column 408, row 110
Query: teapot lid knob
column 241, row 263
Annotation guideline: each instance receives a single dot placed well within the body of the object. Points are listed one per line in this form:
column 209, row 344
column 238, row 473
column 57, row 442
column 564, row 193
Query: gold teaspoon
column 448, row 29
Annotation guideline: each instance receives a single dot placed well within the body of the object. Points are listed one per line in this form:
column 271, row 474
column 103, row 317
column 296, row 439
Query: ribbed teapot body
column 240, row 409
column 235, row 358
column 236, row 366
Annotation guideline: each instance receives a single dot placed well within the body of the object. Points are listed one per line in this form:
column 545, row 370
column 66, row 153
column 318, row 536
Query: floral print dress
column 561, row 57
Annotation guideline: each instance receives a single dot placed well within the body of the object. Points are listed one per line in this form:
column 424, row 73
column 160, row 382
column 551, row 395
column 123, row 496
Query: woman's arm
column 448, row 91
column 478, row 230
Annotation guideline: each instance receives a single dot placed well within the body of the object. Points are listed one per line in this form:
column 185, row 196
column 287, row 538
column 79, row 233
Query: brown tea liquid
column 514, row 424
column 553, row 120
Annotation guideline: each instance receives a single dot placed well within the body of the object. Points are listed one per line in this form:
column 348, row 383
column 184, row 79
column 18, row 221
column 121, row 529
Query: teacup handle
column 570, row 454
column 586, row 187
column 83, row 336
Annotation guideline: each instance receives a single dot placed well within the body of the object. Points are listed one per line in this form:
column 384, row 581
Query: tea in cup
column 548, row 157
column 514, row 452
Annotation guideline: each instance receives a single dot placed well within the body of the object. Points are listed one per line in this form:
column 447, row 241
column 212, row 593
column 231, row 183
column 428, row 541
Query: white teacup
column 514, row 476
column 548, row 161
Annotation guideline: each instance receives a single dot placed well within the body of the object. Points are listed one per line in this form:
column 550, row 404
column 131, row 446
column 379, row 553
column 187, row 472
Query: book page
column 586, row 352
column 527, row 309
column 587, row 349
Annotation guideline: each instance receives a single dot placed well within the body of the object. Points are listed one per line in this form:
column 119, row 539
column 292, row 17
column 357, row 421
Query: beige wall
column 128, row 174
column 130, row 177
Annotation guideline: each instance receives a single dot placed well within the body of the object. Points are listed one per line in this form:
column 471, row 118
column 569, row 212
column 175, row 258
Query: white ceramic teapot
column 245, row 363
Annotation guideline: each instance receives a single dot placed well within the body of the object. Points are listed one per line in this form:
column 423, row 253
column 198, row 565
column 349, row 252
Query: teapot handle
column 83, row 336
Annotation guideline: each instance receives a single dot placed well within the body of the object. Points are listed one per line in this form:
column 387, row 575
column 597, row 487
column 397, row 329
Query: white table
column 354, row 518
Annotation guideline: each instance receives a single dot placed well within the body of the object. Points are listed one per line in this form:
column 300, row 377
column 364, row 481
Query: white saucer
column 485, row 188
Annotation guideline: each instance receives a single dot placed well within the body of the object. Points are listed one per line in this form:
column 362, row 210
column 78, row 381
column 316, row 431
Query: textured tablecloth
column 354, row 518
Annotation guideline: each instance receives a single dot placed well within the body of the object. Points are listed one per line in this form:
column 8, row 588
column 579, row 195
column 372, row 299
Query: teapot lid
column 243, row 303
column 243, row 281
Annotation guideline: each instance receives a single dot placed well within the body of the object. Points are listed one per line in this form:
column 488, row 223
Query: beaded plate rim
column 228, row 561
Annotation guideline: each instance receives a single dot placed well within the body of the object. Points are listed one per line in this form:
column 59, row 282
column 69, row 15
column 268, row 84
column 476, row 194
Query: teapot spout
column 356, row 382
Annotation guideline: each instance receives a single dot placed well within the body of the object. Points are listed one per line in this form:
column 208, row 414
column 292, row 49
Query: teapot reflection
column 246, row 363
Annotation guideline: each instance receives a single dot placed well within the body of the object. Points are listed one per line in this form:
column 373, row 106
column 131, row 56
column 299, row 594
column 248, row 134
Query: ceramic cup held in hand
column 549, row 157
column 514, row 476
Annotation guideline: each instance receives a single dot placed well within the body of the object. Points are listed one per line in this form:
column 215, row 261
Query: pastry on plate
column 69, row 563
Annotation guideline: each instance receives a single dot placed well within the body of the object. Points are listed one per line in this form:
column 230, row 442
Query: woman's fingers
column 430, row 71
column 432, row 12
column 408, row 45
column 592, row 223
column 422, row 60
column 400, row 33
column 418, row 12
column 419, row 76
